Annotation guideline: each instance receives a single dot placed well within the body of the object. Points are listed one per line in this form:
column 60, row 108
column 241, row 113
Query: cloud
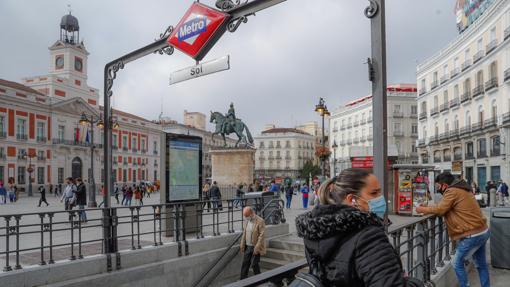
column 282, row 60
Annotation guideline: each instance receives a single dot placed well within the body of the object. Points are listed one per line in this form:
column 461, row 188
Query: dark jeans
column 250, row 260
column 475, row 247
column 41, row 200
column 289, row 200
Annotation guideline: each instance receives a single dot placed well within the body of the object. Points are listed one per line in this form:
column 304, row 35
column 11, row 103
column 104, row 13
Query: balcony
column 481, row 154
column 134, row 150
column 349, row 141
column 447, row 158
column 433, row 139
column 507, row 33
column 496, row 152
column 465, row 97
column 398, row 133
column 437, row 159
column 3, row 156
column 414, row 135
column 41, row 158
column 22, row 137
column 457, row 156
column 115, row 147
column 466, row 65
column 413, row 115
column 356, row 123
column 369, row 120
column 422, row 116
column 469, row 156
column 454, row 73
column 349, row 125
column 478, row 90
column 505, row 119
column 421, row 142
column 434, row 85
column 363, row 121
column 490, row 123
column 370, row 137
column 155, row 152
column 477, row 127
column 492, row 45
column 288, row 157
column 434, row 111
column 422, row 91
column 465, row 130
column 479, row 55
column 74, row 143
column 41, row 139
column 398, row 115
column 454, row 133
column 342, row 142
column 444, row 79
column 144, row 151
column 444, row 107
column 356, row 140
column 444, row 136
column 491, row 84
column 454, row 103
column 507, row 75
column 3, row 135
column 363, row 139
column 125, row 148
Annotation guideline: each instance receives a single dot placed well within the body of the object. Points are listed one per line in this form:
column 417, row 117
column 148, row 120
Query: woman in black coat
column 344, row 236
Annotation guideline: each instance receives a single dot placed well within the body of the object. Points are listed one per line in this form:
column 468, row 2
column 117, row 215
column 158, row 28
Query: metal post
column 92, row 188
column 30, row 193
column 334, row 162
column 377, row 71
column 323, row 148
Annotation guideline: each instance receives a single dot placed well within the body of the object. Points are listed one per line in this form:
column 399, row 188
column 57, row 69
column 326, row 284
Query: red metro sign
column 199, row 29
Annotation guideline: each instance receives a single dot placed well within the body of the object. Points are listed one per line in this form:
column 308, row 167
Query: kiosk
column 414, row 185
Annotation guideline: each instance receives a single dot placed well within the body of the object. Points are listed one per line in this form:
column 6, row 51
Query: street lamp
column 322, row 109
column 91, row 120
column 334, row 146
column 30, row 170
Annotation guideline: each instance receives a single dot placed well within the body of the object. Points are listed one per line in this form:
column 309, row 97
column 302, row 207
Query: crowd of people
column 498, row 189
column 8, row 193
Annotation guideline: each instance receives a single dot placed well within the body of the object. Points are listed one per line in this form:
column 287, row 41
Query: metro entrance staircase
column 282, row 251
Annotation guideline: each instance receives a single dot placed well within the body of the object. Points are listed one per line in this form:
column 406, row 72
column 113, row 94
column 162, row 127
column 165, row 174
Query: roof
column 124, row 114
column 284, row 130
column 19, row 86
column 403, row 88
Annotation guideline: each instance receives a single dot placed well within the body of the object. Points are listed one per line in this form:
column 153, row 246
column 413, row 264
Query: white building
column 464, row 98
column 39, row 124
column 351, row 128
column 282, row 152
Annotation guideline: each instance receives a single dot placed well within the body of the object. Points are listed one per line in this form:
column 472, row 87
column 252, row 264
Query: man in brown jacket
column 466, row 224
column 253, row 241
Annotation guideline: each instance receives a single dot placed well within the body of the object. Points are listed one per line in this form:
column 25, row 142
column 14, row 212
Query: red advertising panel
column 198, row 30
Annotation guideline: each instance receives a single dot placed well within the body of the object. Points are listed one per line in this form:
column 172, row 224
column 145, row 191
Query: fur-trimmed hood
column 333, row 220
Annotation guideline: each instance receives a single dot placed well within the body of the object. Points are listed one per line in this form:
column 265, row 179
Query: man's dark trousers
column 250, row 260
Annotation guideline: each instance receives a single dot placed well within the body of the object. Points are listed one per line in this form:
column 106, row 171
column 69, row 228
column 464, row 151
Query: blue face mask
column 377, row 206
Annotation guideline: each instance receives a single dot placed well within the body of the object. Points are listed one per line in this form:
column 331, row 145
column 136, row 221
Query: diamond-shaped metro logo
column 197, row 30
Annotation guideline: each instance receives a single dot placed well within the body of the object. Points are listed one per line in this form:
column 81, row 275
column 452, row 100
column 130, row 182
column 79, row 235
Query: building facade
column 351, row 128
column 40, row 126
column 194, row 119
column 282, row 152
column 464, row 100
column 208, row 143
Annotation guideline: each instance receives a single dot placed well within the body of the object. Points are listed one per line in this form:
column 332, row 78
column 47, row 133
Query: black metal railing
column 492, row 45
column 491, row 84
column 434, row 111
column 41, row 139
column 423, row 115
column 478, row 56
column 454, row 73
column 74, row 143
column 444, row 79
column 422, row 91
column 434, row 85
column 466, row 64
column 44, row 237
column 469, row 156
column 22, row 137
column 507, row 75
column 423, row 246
column 478, row 90
column 444, row 107
column 454, row 102
column 505, row 119
column 466, row 96
column 3, row 134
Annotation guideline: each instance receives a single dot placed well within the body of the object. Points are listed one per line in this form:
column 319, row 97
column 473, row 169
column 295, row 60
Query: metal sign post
column 377, row 74
column 236, row 13
column 206, row 68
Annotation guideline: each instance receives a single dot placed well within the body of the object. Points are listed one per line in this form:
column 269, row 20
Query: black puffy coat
column 81, row 194
column 348, row 247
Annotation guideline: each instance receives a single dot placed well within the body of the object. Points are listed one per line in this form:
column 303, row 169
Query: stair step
column 282, row 254
column 287, row 245
column 269, row 263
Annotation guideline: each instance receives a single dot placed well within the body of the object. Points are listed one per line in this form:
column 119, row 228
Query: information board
column 183, row 168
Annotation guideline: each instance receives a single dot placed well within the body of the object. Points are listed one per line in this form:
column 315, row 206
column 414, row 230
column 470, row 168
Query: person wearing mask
column 42, row 197
column 69, row 196
column 466, row 225
column 81, row 199
column 304, row 191
column 345, row 242
column 253, row 242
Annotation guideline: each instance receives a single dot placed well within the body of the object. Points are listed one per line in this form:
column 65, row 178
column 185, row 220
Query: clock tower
column 68, row 56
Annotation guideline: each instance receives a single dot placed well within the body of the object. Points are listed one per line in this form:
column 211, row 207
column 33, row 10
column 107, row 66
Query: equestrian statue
column 228, row 124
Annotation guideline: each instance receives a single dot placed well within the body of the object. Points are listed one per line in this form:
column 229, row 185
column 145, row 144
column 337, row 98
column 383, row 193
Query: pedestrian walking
column 345, row 242
column 117, row 193
column 51, row 188
column 81, row 199
column 124, row 194
column 138, row 196
column 69, row 194
column 502, row 193
column 253, row 242
column 466, row 225
column 304, row 191
column 239, row 196
column 206, row 197
column 3, row 193
column 102, row 195
column 11, row 190
column 129, row 196
column 289, row 191
column 42, row 198
column 215, row 195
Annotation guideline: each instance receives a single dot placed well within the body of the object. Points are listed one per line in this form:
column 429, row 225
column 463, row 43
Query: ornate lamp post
column 334, row 146
column 322, row 109
column 30, row 170
column 91, row 120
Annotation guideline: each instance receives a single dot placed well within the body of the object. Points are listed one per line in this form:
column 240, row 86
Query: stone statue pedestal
column 232, row 165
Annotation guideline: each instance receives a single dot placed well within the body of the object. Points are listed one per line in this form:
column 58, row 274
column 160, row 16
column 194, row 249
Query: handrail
column 267, row 217
column 286, row 272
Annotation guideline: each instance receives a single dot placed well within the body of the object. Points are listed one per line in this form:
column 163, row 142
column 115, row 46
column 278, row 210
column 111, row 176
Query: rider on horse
column 231, row 117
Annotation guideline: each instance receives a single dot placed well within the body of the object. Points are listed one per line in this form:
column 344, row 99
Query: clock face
column 78, row 64
column 59, row 62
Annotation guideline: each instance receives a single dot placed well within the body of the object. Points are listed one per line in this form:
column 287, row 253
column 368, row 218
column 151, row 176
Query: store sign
column 364, row 162
column 457, row 167
column 467, row 11
column 205, row 68
column 198, row 30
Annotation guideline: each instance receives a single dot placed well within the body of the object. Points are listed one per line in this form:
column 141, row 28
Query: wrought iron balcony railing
column 466, row 64
column 434, row 85
column 492, row 45
column 454, row 73
column 3, row 134
column 507, row 33
column 479, row 55
column 444, row 107
column 478, row 90
column 444, row 79
column 454, row 102
column 434, row 111
column 422, row 116
column 398, row 114
column 491, row 84
column 507, row 75
column 22, row 137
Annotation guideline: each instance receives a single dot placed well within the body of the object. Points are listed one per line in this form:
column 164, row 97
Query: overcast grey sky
column 282, row 60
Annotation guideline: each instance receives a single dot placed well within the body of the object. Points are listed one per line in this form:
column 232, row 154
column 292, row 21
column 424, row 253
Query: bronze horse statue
column 225, row 127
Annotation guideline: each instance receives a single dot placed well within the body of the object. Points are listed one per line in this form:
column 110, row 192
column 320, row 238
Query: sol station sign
column 199, row 29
